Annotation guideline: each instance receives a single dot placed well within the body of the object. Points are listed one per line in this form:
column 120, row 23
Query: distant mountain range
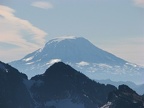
column 61, row 86
column 138, row 88
column 83, row 56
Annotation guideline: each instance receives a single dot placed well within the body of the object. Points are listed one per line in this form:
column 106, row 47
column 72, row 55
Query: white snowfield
column 107, row 105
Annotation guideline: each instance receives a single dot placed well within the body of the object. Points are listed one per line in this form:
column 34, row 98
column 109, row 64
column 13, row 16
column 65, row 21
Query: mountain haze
column 82, row 55
column 138, row 88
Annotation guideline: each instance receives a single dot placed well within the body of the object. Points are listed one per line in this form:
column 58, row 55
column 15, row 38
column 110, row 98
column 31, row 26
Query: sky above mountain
column 116, row 26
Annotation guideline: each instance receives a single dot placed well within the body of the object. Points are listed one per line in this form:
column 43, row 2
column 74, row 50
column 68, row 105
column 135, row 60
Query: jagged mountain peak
column 60, row 67
column 125, row 88
column 8, row 70
column 61, row 81
column 61, row 72
column 13, row 92
column 124, row 97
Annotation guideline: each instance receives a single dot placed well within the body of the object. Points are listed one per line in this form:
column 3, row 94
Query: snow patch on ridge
column 63, row 38
column 104, row 65
column 30, row 63
column 28, row 59
column 107, row 105
column 59, row 39
column 51, row 62
column 131, row 64
column 83, row 63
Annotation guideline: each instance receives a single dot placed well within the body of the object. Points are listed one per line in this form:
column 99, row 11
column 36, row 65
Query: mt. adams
column 83, row 56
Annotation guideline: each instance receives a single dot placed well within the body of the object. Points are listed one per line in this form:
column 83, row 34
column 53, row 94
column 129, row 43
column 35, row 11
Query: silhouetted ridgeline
column 60, row 86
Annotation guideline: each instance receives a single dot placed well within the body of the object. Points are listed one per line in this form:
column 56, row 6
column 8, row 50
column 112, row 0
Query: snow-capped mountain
column 82, row 55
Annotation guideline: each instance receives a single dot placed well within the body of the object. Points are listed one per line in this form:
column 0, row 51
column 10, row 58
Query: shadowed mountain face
column 124, row 97
column 81, row 55
column 13, row 92
column 61, row 86
column 61, row 82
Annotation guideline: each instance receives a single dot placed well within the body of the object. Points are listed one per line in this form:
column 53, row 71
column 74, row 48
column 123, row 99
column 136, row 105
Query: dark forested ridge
column 13, row 92
column 61, row 81
column 60, row 86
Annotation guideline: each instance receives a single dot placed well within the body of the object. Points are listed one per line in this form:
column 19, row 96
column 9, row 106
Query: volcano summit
column 82, row 55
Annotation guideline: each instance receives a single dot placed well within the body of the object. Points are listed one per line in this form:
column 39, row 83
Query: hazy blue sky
column 116, row 26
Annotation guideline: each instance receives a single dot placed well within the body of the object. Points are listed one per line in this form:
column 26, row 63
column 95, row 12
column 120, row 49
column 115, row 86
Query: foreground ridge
column 124, row 97
column 61, row 86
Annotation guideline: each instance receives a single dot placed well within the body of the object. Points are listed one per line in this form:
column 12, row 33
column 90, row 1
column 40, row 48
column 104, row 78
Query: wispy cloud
column 139, row 3
column 18, row 32
column 42, row 4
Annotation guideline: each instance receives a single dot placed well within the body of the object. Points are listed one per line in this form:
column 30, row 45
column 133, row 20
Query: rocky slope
column 124, row 97
column 13, row 92
column 61, row 85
